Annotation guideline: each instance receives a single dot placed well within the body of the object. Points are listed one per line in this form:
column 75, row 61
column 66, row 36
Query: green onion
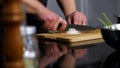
column 107, row 19
column 106, row 22
column 103, row 22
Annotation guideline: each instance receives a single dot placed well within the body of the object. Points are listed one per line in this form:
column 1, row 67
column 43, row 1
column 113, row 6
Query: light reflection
column 29, row 54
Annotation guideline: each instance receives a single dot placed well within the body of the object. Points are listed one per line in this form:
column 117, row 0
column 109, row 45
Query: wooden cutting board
column 84, row 36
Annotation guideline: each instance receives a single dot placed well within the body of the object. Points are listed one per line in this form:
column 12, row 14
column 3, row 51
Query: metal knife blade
column 77, row 27
column 80, row 27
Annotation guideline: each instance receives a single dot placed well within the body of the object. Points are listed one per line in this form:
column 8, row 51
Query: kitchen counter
column 64, row 55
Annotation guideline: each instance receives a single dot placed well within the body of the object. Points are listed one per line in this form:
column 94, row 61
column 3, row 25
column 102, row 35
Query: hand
column 77, row 18
column 68, row 60
column 51, row 21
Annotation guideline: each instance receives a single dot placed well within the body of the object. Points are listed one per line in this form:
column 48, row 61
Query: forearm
column 67, row 7
column 33, row 6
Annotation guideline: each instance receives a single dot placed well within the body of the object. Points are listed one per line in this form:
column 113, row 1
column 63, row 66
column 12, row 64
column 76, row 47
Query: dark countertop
column 57, row 55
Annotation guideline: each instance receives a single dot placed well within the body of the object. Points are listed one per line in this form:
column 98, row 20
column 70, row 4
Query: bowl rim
column 114, row 26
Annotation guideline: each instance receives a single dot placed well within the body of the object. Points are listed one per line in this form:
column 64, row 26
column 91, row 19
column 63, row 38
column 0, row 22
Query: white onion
column 72, row 31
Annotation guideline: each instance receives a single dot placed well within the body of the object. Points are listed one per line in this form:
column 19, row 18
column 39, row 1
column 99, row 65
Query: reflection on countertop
column 112, row 60
column 61, row 55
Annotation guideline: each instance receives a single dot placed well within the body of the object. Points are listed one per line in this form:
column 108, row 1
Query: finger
column 62, row 24
column 81, row 17
column 69, row 20
column 84, row 20
column 50, row 24
column 55, row 24
column 80, row 20
column 76, row 19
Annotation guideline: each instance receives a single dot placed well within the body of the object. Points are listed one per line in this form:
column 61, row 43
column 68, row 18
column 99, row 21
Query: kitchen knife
column 77, row 27
column 80, row 27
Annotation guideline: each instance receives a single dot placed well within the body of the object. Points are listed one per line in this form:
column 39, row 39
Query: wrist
column 69, row 14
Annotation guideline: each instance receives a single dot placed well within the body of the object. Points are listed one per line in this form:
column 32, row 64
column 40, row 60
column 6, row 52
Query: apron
column 34, row 21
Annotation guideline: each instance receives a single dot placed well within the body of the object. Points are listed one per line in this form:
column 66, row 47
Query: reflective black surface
column 112, row 60
column 57, row 55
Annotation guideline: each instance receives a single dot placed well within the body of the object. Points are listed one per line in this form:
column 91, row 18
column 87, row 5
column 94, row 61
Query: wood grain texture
column 84, row 36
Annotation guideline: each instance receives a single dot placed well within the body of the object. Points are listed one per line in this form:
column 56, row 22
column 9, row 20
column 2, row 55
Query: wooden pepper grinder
column 11, row 18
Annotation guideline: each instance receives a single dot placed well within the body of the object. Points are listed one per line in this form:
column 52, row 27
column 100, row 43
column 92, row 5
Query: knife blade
column 77, row 27
column 80, row 27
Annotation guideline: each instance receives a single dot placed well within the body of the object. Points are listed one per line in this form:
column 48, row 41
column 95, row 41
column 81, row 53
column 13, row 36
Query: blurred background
column 93, row 9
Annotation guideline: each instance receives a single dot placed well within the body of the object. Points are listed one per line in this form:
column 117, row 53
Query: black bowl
column 111, row 37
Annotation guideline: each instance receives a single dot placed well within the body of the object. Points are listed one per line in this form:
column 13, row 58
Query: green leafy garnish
column 106, row 22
